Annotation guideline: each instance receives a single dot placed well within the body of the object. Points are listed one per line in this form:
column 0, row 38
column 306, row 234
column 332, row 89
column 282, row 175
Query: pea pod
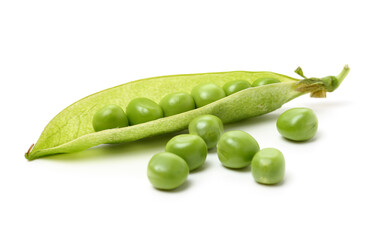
column 71, row 130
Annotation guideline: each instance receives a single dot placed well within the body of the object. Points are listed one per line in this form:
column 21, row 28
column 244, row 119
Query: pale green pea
column 264, row 81
column 235, row 86
column 298, row 124
column 108, row 117
column 141, row 110
column 167, row 171
column 189, row 147
column 176, row 103
column 208, row 127
column 206, row 93
column 236, row 149
column 268, row 166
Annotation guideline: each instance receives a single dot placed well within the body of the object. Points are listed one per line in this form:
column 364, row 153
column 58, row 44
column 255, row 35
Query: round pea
column 298, row 124
column 264, row 81
column 110, row 116
column 208, row 127
column 235, row 86
column 268, row 166
column 167, row 171
column 236, row 149
column 176, row 103
column 189, row 147
column 141, row 110
column 206, row 93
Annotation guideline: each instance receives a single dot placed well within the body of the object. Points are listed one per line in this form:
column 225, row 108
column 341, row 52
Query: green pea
column 110, row 116
column 264, row 81
column 235, row 86
column 141, row 110
column 206, row 93
column 298, row 124
column 268, row 166
column 208, row 127
column 167, row 171
column 189, row 147
column 236, row 149
column 176, row 103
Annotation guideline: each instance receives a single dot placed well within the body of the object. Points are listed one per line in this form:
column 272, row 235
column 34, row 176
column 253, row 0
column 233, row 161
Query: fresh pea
column 176, row 103
column 298, row 124
column 189, row 147
column 110, row 116
column 208, row 127
column 141, row 110
column 235, row 86
column 236, row 149
column 167, row 171
column 268, row 166
column 206, row 93
column 264, row 81
column 72, row 131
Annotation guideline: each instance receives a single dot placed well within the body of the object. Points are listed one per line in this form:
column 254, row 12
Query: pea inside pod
column 235, row 86
column 207, row 93
column 176, row 103
column 141, row 110
column 108, row 117
column 264, row 81
column 72, row 130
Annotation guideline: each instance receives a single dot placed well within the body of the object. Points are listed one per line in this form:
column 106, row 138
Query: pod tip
column 29, row 150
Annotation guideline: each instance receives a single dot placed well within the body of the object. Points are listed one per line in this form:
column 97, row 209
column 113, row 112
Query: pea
column 141, row 110
column 264, row 81
column 167, row 171
column 208, row 127
column 268, row 166
column 176, row 103
column 235, row 86
column 236, row 149
column 298, row 124
column 110, row 116
column 189, row 147
column 206, row 93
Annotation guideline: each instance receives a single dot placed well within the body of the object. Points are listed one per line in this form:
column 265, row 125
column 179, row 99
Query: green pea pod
column 71, row 130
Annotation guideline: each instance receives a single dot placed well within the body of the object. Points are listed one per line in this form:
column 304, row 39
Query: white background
column 53, row 53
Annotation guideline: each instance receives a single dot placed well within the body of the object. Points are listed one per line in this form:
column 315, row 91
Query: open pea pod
column 71, row 130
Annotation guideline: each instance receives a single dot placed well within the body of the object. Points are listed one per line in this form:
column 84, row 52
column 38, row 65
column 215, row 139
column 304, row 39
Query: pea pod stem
column 71, row 130
column 343, row 74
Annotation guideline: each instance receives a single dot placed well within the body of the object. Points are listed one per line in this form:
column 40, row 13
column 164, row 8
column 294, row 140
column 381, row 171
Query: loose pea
column 167, row 171
column 141, row 110
column 298, row 124
column 189, row 147
column 208, row 127
column 268, row 166
column 206, row 93
column 236, row 149
column 235, row 86
column 110, row 116
column 264, row 81
column 176, row 103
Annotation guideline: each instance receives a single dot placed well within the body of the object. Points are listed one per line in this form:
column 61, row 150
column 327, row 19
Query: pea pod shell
column 71, row 130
